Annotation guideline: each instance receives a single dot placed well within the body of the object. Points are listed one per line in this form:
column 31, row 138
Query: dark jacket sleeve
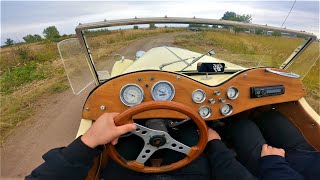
column 223, row 163
column 71, row 162
column 276, row 167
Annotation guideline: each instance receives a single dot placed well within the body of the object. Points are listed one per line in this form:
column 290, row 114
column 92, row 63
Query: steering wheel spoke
column 146, row 153
column 176, row 145
column 155, row 140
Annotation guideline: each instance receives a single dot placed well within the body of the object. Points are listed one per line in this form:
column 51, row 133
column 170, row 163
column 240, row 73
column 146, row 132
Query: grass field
column 32, row 70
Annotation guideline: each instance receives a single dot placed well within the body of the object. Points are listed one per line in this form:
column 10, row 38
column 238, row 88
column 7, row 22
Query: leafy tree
column 29, row 38
column 136, row 27
column 152, row 26
column 32, row 38
column 9, row 42
column 37, row 37
column 51, row 33
column 198, row 25
column 259, row 31
column 276, row 33
column 232, row 16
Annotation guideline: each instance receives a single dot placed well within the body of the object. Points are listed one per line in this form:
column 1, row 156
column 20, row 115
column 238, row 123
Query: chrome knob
column 223, row 100
column 212, row 101
column 217, row 93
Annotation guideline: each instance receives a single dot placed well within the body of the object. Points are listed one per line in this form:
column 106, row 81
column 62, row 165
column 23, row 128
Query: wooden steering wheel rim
column 126, row 117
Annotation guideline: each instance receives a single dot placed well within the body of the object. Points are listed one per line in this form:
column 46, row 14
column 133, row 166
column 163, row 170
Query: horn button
column 157, row 140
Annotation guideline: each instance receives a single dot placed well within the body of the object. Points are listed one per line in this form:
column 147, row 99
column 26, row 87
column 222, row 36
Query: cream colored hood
column 155, row 57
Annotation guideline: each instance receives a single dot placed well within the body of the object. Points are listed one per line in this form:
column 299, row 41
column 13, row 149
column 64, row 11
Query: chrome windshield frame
column 181, row 20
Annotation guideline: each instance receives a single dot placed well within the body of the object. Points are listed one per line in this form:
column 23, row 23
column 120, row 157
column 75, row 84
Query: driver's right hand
column 104, row 131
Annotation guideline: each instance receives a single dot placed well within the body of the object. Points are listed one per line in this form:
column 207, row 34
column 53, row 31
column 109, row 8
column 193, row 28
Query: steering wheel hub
column 157, row 140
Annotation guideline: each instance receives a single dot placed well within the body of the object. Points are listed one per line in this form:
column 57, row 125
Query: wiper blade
column 173, row 62
column 198, row 58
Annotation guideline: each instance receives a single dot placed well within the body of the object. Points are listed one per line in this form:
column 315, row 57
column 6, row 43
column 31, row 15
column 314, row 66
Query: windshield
column 181, row 47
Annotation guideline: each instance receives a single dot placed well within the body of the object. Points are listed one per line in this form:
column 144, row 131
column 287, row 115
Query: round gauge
column 131, row 94
column 205, row 111
column 162, row 90
column 198, row 96
column 232, row 93
column 226, row 109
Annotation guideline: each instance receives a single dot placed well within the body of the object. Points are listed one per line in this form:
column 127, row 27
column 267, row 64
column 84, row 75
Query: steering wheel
column 155, row 140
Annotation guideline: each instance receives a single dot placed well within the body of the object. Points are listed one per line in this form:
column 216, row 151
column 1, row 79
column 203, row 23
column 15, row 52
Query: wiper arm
column 173, row 62
column 198, row 58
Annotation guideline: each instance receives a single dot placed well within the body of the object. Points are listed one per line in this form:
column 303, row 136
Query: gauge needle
column 130, row 94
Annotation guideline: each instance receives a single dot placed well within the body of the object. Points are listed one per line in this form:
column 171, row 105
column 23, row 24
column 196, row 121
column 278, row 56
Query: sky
column 20, row 18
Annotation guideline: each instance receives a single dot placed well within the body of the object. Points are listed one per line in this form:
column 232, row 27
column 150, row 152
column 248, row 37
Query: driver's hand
column 212, row 134
column 269, row 150
column 104, row 131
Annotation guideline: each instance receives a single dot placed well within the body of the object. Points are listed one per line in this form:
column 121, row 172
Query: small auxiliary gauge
column 226, row 109
column 198, row 96
column 232, row 93
column 131, row 94
column 205, row 111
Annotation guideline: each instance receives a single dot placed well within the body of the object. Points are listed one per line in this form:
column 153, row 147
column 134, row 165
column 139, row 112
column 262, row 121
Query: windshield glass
column 180, row 47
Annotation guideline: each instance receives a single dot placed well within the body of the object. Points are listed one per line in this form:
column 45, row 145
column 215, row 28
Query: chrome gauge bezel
column 122, row 96
column 171, row 86
column 231, row 109
column 203, row 93
column 237, row 93
column 209, row 114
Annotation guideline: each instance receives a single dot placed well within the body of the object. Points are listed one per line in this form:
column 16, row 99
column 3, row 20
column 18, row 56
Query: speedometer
column 131, row 94
column 162, row 90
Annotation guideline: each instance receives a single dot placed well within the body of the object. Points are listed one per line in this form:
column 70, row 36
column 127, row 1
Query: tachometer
column 198, row 96
column 131, row 94
column 162, row 90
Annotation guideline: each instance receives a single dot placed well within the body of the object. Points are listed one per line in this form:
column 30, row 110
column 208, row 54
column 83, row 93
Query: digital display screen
column 274, row 91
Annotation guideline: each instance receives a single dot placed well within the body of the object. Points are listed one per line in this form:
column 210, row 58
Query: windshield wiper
column 180, row 59
column 173, row 62
column 210, row 52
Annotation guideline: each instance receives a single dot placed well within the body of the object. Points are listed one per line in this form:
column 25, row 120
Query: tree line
column 50, row 33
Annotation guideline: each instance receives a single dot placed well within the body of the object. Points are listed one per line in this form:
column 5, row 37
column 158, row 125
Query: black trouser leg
column 281, row 133
column 247, row 140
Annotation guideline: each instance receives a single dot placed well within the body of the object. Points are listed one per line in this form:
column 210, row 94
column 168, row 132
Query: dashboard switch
column 212, row 101
column 223, row 100
column 217, row 93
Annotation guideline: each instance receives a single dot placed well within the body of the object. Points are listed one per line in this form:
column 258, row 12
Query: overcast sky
column 31, row 17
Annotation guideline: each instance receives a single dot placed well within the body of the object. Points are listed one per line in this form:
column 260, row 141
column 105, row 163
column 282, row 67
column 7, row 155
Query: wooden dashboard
column 106, row 97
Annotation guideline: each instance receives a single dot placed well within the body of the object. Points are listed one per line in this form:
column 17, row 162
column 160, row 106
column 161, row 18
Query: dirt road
column 56, row 121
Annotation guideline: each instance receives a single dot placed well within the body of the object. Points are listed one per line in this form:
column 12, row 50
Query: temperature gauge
column 205, row 111
column 226, row 109
column 198, row 96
